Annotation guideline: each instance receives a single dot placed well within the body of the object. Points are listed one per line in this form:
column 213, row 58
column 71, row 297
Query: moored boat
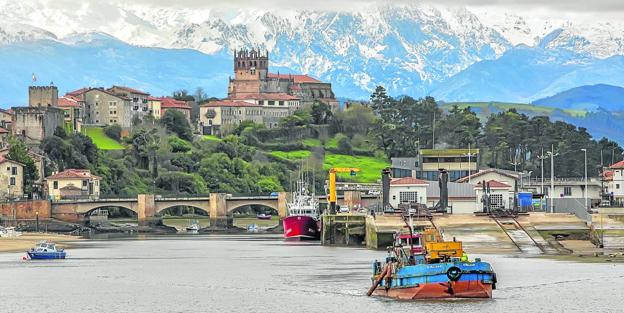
column 302, row 222
column 193, row 227
column 440, row 270
column 263, row 216
column 46, row 250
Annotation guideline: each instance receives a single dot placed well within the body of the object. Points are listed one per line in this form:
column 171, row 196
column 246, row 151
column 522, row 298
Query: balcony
column 135, row 108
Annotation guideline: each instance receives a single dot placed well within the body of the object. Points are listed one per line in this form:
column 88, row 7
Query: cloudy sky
column 569, row 6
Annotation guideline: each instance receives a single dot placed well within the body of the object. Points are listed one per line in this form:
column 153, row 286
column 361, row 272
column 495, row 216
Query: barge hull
column 459, row 289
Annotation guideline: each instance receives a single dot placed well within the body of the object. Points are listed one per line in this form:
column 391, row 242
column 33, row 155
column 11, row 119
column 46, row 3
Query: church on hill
column 252, row 80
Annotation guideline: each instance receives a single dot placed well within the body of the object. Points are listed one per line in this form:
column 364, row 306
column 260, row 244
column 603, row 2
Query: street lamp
column 552, row 155
column 585, row 190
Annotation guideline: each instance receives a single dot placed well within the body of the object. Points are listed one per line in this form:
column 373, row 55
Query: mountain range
column 451, row 53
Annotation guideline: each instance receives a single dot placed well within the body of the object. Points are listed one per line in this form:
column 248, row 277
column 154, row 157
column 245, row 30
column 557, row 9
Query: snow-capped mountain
column 411, row 49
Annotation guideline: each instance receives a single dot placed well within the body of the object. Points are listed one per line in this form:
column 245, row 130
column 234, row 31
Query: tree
column 344, row 145
column 18, row 152
column 182, row 95
column 113, row 131
column 357, row 119
column 176, row 122
column 460, row 127
column 321, row 112
column 60, row 132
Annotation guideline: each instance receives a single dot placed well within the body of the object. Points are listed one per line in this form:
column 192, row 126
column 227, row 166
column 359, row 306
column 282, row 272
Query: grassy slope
column 292, row 155
column 370, row 167
column 210, row 138
column 102, row 141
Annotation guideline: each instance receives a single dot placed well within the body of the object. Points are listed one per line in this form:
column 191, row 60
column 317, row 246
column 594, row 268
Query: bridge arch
column 162, row 210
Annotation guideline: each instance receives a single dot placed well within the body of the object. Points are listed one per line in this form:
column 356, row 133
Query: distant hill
column 101, row 61
column 589, row 97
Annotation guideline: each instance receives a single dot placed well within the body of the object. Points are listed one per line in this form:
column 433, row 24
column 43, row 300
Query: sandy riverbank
column 29, row 240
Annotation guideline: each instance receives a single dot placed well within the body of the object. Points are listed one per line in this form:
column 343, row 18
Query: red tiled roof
column 408, row 181
column 617, row 165
column 267, row 96
column 73, row 173
column 167, row 102
column 297, row 78
column 495, row 184
column 3, row 131
column 131, row 90
column 78, row 92
column 229, row 103
column 3, row 159
column 108, row 93
column 67, row 102
column 607, row 175
column 150, row 98
column 6, row 111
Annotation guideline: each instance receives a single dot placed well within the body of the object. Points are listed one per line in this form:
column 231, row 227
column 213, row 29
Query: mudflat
column 29, row 240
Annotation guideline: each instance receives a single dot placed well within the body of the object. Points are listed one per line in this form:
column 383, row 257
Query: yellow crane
column 332, row 184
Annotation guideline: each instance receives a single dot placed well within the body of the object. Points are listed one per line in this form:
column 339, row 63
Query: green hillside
column 100, row 139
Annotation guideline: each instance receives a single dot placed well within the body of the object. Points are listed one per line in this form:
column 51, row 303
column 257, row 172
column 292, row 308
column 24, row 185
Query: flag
column 34, row 78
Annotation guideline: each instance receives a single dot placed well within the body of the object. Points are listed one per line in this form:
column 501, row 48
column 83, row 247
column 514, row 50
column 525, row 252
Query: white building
column 462, row 198
column 408, row 190
column 501, row 195
column 614, row 179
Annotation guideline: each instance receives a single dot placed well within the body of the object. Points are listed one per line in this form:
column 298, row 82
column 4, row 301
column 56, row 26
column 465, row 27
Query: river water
column 266, row 274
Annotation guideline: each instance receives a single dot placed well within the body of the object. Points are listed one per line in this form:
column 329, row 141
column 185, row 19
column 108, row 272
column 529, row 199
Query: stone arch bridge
column 218, row 205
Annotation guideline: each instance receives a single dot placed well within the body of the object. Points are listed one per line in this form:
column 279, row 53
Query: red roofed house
column 11, row 179
column 614, row 178
column 216, row 116
column 167, row 103
column 72, row 113
column 73, row 183
column 251, row 76
column 115, row 105
column 408, row 190
column 501, row 194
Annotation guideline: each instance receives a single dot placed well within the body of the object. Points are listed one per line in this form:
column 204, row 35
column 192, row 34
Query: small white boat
column 252, row 228
column 193, row 227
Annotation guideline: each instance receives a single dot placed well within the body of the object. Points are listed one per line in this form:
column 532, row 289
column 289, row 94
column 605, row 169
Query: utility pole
column 433, row 133
column 552, row 176
column 585, row 190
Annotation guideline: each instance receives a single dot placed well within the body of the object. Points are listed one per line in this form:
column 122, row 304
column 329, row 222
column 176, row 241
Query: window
column 55, row 184
column 496, row 201
column 408, row 196
column 567, row 191
column 12, row 181
column 14, row 170
column 617, row 186
column 281, row 103
column 84, row 183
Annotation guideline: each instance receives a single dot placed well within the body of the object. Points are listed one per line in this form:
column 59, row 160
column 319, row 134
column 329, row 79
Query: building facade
column 408, row 190
column 458, row 163
column 11, row 179
column 42, row 96
column 33, row 124
column 6, row 118
column 216, row 116
column 72, row 113
column 73, row 183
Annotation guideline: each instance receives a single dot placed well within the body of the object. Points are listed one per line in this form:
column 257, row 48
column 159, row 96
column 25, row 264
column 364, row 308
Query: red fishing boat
column 302, row 222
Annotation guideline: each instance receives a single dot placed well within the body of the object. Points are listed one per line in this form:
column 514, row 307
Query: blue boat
column 46, row 250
